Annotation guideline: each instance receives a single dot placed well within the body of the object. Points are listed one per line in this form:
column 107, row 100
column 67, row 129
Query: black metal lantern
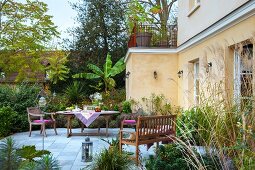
column 87, row 150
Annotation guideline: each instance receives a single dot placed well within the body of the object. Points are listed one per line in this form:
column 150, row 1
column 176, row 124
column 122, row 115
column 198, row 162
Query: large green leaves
column 57, row 69
column 107, row 74
column 29, row 152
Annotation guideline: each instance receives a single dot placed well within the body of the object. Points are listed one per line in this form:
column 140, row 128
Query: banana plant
column 106, row 74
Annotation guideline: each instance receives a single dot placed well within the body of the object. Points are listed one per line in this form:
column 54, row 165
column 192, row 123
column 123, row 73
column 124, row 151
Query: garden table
column 71, row 114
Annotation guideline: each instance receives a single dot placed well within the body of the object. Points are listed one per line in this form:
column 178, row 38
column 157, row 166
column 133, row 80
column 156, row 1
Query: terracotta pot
column 143, row 39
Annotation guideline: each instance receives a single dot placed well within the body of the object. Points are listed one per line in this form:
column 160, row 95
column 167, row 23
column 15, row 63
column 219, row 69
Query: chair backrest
column 152, row 126
column 34, row 113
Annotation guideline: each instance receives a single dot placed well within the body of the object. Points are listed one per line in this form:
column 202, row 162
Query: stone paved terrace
column 68, row 150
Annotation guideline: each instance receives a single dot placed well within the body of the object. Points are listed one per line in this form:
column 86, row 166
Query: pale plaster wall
column 141, row 82
column 208, row 13
column 219, row 51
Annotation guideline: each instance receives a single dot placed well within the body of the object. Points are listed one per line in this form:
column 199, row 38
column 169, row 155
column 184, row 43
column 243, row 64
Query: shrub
column 19, row 97
column 114, row 98
column 126, row 107
column 25, row 158
column 111, row 159
column 169, row 157
column 73, row 93
column 8, row 120
column 177, row 156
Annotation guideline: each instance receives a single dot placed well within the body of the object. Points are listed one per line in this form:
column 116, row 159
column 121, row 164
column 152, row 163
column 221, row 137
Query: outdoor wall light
column 209, row 65
column 127, row 75
column 155, row 74
column 180, row 73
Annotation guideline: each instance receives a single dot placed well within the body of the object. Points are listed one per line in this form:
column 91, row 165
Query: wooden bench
column 150, row 129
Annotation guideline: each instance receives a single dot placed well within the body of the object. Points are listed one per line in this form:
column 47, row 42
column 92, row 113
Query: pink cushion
column 41, row 121
column 130, row 121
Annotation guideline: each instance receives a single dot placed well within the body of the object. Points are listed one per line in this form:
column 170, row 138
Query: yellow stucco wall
column 141, row 82
column 216, row 50
column 208, row 13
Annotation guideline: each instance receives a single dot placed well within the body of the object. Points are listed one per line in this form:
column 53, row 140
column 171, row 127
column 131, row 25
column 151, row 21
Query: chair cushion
column 41, row 121
column 129, row 121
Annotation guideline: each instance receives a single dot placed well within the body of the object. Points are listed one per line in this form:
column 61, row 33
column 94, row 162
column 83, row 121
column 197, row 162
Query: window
column 243, row 67
column 196, row 83
column 193, row 6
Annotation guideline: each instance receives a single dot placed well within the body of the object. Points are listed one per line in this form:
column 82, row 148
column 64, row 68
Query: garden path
column 68, row 150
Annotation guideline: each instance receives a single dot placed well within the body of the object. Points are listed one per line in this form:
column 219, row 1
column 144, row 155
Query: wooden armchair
column 35, row 117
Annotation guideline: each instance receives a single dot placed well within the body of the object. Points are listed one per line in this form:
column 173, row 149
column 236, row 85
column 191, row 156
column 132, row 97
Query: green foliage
column 24, row 159
column 91, row 46
column 25, row 28
column 111, row 159
column 113, row 99
column 159, row 105
column 73, row 93
column 57, row 69
column 107, row 74
column 7, row 119
column 19, row 97
column 169, row 157
column 177, row 156
column 30, row 153
column 187, row 126
column 47, row 162
column 8, row 156
column 126, row 107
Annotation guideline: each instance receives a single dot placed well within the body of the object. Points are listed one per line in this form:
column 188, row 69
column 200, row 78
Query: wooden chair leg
column 44, row 130
column 30, row 129
column 54, row 125
column 41, row 130
column 137, row 155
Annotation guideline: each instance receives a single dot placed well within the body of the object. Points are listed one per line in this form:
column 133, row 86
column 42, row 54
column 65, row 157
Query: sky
column 63, row 15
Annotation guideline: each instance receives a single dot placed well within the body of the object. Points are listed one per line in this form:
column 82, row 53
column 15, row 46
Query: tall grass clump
column 112, row 158
column 223, row 124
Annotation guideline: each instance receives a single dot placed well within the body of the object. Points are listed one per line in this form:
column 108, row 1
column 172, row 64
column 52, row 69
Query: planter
column 143, row 39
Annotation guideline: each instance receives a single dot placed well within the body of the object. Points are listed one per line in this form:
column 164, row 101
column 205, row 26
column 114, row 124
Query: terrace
column 153, row 35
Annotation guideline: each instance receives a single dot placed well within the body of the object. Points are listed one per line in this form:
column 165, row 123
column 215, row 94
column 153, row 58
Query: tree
column 57, row 70
column 101, row 30
column 106, row 74
column 25, row 30
column 159, row 12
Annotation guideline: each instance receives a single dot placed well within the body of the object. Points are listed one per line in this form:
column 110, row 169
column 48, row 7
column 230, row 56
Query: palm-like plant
column 57, row 69
column 9, row 158
column 106, row 74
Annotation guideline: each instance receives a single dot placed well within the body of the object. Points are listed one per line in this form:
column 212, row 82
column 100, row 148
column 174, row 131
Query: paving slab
column 68, row 150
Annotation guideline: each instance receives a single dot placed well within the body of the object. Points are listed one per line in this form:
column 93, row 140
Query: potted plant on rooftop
column 138, row 20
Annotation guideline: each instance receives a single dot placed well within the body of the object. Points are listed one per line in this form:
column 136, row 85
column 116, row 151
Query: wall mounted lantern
column 180, row 73
column 209, row 65
column 155, row 74
column 127, row 75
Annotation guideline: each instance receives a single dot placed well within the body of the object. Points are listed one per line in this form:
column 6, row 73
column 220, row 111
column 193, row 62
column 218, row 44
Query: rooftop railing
column 153, row 35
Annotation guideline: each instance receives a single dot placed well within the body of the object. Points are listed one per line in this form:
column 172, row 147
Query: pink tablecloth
column 86, row 117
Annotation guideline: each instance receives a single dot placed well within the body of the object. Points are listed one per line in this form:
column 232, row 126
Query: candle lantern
column 42, row 102
column 87, row 150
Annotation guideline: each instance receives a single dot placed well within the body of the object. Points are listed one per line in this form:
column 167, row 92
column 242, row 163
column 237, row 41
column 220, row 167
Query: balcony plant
column 160, row 12
column 136, row 18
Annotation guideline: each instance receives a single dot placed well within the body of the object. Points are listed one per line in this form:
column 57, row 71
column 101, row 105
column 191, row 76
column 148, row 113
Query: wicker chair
column 35, row 117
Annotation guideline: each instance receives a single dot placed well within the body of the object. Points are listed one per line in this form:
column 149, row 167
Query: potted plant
column 137, row 20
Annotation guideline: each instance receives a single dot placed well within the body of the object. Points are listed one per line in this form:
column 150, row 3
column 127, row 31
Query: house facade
column 215, row 47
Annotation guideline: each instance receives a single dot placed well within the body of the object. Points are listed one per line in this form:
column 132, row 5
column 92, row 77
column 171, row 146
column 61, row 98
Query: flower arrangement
column 96, row 99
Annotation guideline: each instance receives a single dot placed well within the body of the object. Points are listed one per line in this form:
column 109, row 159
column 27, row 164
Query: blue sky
column 63, row 14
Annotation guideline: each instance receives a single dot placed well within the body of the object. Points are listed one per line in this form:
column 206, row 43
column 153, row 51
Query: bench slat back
column 155, row 126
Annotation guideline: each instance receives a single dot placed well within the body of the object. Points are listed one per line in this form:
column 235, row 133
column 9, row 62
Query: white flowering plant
column 96, row 98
